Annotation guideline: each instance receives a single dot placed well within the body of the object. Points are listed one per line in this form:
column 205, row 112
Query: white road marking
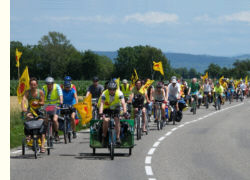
column 181, row 125
column 151, row 151
column 148, row 159
column 15, row 152
column 174, row 129
column 167, row 134
column 149, row 171
column 156, row 144
column 162, row 138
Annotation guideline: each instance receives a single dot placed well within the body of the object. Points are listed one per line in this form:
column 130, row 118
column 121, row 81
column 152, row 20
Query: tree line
column 55, row 56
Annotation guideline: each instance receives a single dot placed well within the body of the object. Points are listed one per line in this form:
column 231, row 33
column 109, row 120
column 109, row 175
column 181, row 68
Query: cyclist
column 174, row 90
column 243, row 87
column 95, row 89
column 143, row 98
column 68, row 78
column 218, row 89
column 53, row 95
column 160, row 96
column 231, row 89
column 70, row 98
column 149, row 104
column 207, row 91
column 125, row 88
column 111, row 100
column 35, row 98
column 193, row 91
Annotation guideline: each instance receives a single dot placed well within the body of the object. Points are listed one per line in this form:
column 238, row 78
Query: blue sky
column 213, row 27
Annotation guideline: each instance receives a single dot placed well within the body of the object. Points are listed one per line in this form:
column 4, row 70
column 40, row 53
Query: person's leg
column 163, row 111
column 56, row 125
column 117, row 127
column 73, row 124
column 144, row 118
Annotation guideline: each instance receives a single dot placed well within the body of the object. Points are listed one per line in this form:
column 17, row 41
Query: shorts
column 109, row 112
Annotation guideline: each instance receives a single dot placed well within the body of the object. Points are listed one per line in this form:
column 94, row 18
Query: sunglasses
column 112, row 89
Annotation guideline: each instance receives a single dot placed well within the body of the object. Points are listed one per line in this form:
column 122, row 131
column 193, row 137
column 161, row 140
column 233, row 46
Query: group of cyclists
column 124, row 98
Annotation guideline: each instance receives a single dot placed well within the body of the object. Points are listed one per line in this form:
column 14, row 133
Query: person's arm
column 60, row 93
column 76, row 98
column 131, row 96
column 166, row 95
column 41, row 102
column 101, row 106
column 124, row 105
column 24, row 100
column 179, row 92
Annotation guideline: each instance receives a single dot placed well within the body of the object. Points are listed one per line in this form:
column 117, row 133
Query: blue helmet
column 67, row 78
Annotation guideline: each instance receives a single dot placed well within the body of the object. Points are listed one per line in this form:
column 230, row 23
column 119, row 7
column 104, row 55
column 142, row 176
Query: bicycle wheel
column 158, row 119
column 65, row 131
column 138, row 128
column 35, row 146
column 112, row 144
column 174, row 116
column 69, row 137
column 218, row 103
column 206, row 101
column 23, row 146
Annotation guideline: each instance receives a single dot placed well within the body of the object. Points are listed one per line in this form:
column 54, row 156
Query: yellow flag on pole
column 205, row 76
column 18, row 56
column 158, row 67
column 246, row 80
column 146, row 86
column 118, row 83
column 24, row 84
column 220, row 80
column 134, row 78
column 85, row 109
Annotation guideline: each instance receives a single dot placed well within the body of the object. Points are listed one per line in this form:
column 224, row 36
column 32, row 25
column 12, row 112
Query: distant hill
column 199, row 62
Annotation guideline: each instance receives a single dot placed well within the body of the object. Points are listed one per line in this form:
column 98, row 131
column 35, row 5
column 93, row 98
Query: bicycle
column 194, row 104
column 50, row 110
column 66, row 112
column 34, row 129
column 173, row 111
column 206, row 99
column 217, row 101
column 160, row 121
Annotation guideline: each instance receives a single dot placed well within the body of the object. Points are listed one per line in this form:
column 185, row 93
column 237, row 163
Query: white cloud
column 243, row 16
column 152, row 18
column 98, row 19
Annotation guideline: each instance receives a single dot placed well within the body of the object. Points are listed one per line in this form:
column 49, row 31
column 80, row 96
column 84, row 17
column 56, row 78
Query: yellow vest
column 54, row 98
column 126, row 91
column 107, row 103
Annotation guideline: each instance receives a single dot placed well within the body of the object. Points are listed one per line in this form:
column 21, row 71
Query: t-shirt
column 174, row 91
column 194, row 87
column 96, row 91
column 207, row 87
column 68, row 97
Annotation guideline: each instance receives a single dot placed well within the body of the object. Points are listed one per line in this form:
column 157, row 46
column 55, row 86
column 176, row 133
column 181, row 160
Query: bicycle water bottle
column 166, row 112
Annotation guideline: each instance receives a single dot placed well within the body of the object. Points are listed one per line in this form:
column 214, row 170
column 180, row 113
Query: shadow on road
column 99, row 156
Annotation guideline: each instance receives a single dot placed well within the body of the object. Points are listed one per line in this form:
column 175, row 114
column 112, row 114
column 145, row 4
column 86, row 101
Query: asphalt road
column 209, row 145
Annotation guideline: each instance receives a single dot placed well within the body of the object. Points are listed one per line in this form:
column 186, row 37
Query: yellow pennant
column 146, row 86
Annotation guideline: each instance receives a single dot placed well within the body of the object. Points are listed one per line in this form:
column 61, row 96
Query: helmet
column 124, row 81
column 217, row 82
column 159, row 85
column 173, row 77
column 231, row 81
column 67, row 84
column 112, row 85
column 49, row 80
column 173, row 80
column 95, row 79
column 67, row 78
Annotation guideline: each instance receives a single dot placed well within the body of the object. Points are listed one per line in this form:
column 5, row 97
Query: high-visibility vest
column 126, row 91
column 107, row 103
column 54, row 98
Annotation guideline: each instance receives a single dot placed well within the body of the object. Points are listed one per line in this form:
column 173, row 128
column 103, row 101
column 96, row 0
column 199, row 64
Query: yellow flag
column 18, row 55
column 158, row 67
column 23, row 84
column 118, row 83
column 220, row 80
column 146, row 86
column 205, row 76
column 246, row 80
column 134, row 77
column 85, row 109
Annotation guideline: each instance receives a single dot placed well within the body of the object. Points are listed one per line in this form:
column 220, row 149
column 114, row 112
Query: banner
column 158, row 67
column 85, row 109
column 24, row 84
column 18, row 56
column 146, row 86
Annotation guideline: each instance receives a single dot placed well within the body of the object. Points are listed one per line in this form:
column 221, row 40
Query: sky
column 211, row 27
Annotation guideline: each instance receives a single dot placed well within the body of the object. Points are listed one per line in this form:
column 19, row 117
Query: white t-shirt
column 243, row 87
column 174, row 91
